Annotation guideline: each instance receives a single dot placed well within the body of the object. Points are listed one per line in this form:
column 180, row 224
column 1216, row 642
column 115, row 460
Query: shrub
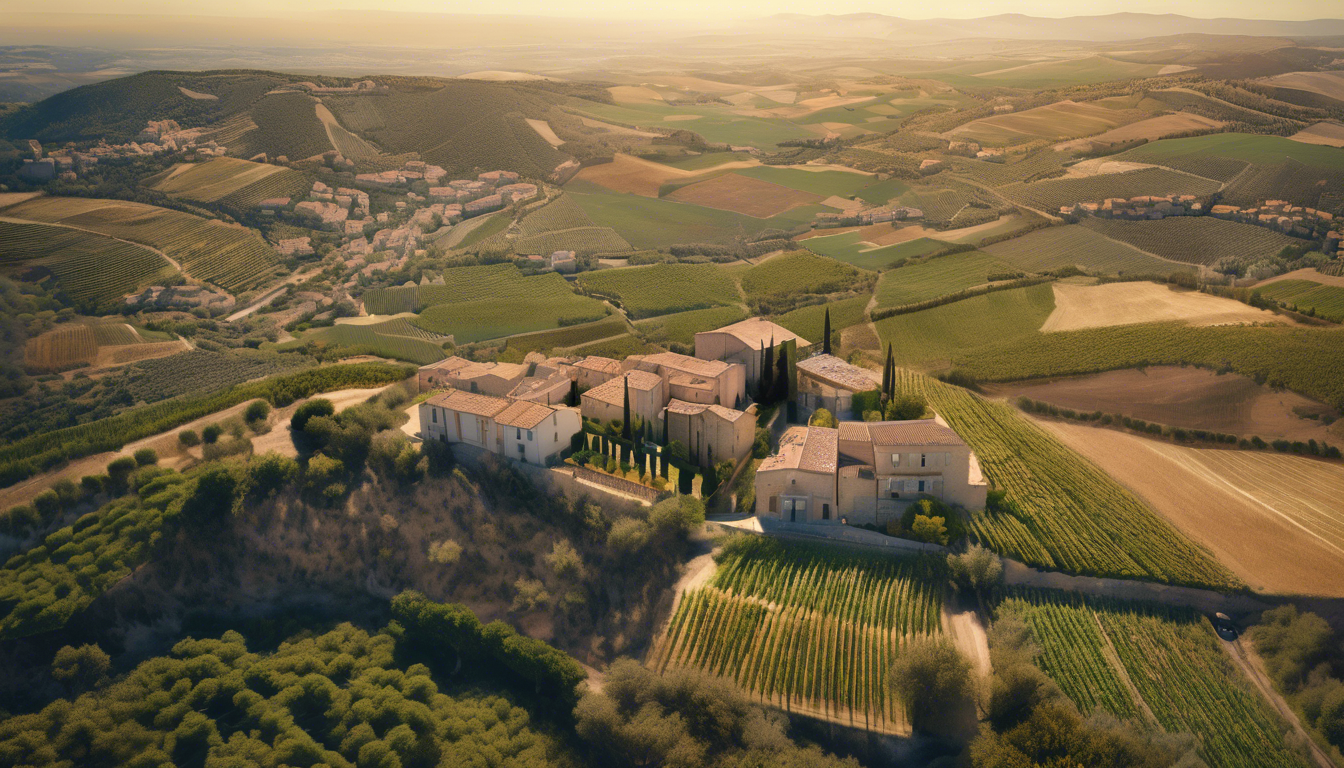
column 446, row 552
column 120, row 469
column 211, row 433
column 823, row 418
column 318, row 406
column 146, row 456
column 930, row 529
column 760, row 447
column 270, row 472
column 189, row 438
column 257, row 410
column 905, row 407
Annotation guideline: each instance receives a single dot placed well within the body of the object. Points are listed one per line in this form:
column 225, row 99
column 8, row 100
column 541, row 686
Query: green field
column 662, row 289
column 935, row 336
column 1175, row 662
column 1049, row 74
column 231, row 257
column 1070, row 515
column 227, row 179
column 535, row 304
column 1250, row 148
column 1023, row 168
column 93, row 270
column 1325, row 301
column 1306, row 360
column 681, row 327
column 1077, row 246
column 936, row 277
column 652, row 223
column 563, row 226
column 1195, row 239
column 810, row 322
column 1049, row 196
column 799, row 272
column 850, row 248
column 499, row 282
column 616, row 347
column 807, row 627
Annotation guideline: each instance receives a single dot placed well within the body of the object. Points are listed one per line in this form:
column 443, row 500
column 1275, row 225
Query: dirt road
column 1250, row 663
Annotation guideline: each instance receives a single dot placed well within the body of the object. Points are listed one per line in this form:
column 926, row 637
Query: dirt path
column 1250, row 663
column 164, row 256
column 266, row 298
column 968, row 632
column 696, row 574
column 1204, row 600
column 1109, row 653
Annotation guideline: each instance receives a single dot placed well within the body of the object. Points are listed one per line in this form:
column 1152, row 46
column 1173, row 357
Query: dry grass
column 1099, row 306
column 1274, row 520
column 1151, row 129
column 745, row 195
column 1328, row 134
column 1062, row 120
column 1328, row 84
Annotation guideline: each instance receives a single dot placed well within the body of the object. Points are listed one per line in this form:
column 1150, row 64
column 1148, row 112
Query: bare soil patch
column 886, row 234
column 1274, row 520
column 1098, row 306
column 1327, row 84
column 197, row 95
column 635, row 94
column 745, row 195
column 1305, row 274
column 1329, row 134
column 544, row 130
column 626, row 173
column 1193, row 398
column 591, row 123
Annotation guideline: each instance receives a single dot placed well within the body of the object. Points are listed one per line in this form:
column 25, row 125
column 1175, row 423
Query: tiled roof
column 523, row 414
column 602, row 364
column 837, row 372
column 687, row 380
column 612, row 391
column 756, row 332
column 687, row 364
column 502, row 370
column 468, row 402
column 914, row 432
column 450, row 364
column 812, row 449
column 691, row 409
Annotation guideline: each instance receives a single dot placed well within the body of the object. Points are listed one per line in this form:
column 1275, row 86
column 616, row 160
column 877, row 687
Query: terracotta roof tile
column 612, row 391
column 914, row 432
column 602, row 364
column 837, row 372
column 811, row 449
column 687, row 364
column 468, row 402
column 523, row 414
column 756, row 332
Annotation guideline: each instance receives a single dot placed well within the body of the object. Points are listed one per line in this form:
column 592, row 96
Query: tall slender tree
column 768, row 373
column 826, row 334
column 625, row 426
column 573, row 393
column 886, row 373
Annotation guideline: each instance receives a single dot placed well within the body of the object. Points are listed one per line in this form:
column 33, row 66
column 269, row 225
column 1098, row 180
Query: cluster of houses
column 862, row 472
column 1280, row 215
column 867, row 216
column 158, row 137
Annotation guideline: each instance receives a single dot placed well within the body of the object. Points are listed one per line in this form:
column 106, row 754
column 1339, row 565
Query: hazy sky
column 701, row 9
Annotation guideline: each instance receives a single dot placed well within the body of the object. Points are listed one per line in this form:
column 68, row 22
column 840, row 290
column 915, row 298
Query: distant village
column 158, row 137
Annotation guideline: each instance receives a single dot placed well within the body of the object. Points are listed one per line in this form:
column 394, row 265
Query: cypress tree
column 662, row 464
column 573, row 392
column 886, row 374
column 685, row 477
column 625, row 425
column 710, row 483
column 768, row 373
column 826, row 338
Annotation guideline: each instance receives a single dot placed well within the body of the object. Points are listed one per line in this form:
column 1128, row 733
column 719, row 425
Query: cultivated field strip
column 1077, row 246
column 1173, row 660
column 1070, row 515
column 90, row 269
column 808, row 629
column 1194, row 239
column 1323, row 300
column 234, row 258
column 1050, row 195
column 227, row 179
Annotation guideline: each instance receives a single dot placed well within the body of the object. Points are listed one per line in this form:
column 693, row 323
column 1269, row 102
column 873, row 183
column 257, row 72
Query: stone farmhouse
column 743, row 343
column 867, row 472
column 518, row 429
column 606, row 401
column 711, row 433
column 826, row 381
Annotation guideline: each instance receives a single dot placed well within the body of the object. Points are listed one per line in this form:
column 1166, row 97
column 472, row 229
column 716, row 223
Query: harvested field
column 1101, row 166
column 1304, row 274
column 1274, row 520
column 1328, row 134
column 1099, row 306
column 1192, row 398
column 1063, row 120
column 1074, row 245
column 626, row 173
column 744, row 195
column 545, row 131
column 620, row 129
column 1327, row 84
column 1151, row 129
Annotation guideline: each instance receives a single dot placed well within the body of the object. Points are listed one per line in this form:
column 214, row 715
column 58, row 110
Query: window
column 923, row 460
column 921, row 486
column 825, row 511
column 895, row 459
column 529, row 434
column 774, row 504
column 522, row 448
column 434, row 415
column 518, row 433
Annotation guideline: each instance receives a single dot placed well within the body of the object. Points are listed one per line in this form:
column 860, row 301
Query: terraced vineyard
column 932, row 336
column 396, row 339
column 807, row 628
column 287, row 125
column 1173, row 659
column 571, row 336
column 227, row 179
column 234, row 258
column 1049, row 196
column 91, row 269
column 1194, row 239
column 1076, row 246
column 936, row 277
column 488, row 281
column 1032, row 167
column 61, row 347
column 681, row 327
column 585, row 241
column 1325, row 301
column 662, row 289
column 1071, row 516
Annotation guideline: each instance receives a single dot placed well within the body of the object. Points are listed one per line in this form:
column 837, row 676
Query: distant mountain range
column 1110, row 27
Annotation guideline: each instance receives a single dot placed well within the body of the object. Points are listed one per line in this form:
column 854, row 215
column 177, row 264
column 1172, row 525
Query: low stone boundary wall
column 620, row 484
